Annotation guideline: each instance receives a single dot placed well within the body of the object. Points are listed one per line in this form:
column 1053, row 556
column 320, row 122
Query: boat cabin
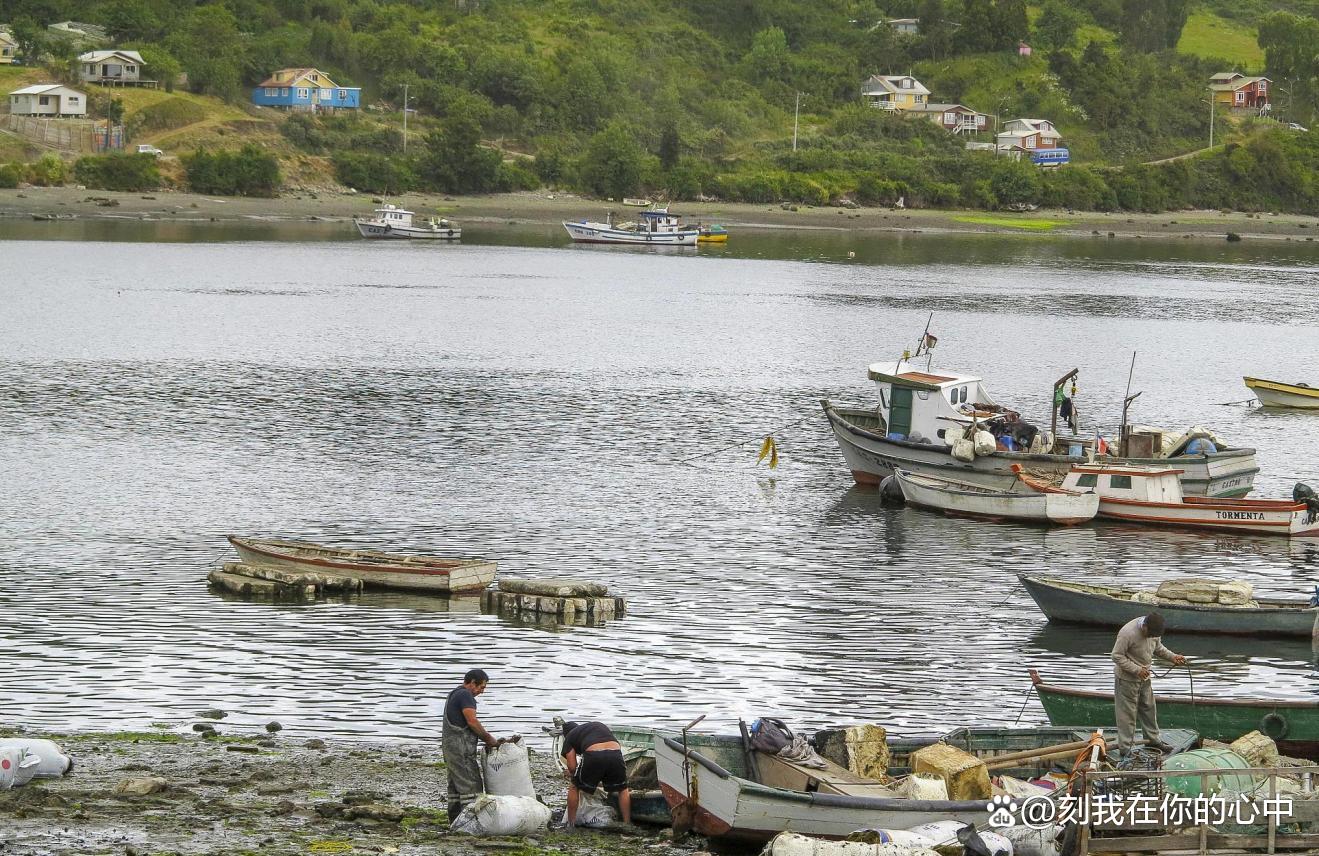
column 660, row 220
column 1127, row 481
column 923, row 405
column 392, row 215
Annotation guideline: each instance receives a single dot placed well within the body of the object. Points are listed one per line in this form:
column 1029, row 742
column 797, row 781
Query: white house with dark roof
column 48, row 100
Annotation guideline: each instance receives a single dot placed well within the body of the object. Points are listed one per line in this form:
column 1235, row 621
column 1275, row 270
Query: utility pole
column 1211, row 120
column 796, row 111
column 405, row 118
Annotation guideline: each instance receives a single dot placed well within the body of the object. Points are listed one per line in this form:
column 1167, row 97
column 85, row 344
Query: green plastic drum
column 1209, row 759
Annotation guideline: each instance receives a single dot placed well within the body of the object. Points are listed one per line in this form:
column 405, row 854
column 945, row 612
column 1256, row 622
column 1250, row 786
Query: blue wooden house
column 305, row 89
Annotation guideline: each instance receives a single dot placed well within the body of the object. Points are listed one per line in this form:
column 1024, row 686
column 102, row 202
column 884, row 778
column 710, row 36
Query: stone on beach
column 554, row 587
column 141, row 787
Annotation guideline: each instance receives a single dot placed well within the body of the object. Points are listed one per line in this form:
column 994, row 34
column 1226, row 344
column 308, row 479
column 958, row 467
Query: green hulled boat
column 1293, row 724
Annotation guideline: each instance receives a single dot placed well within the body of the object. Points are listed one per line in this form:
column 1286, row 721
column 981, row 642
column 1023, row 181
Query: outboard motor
column 890, row 492
column 1304, row 493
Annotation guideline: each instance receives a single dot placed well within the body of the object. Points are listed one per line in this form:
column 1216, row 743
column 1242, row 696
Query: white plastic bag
column 792, row 844
column 985, row 443
column 492, row 814
column 17, row 767
column 593, row 812
column 54, row 763
column 940, row 831
column 1029, row 841
column 508, row 771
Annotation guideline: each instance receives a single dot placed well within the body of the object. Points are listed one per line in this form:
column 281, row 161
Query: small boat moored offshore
column 394, row 222
column 1275, row 393
column 655, row 227
column 713, row 234
column 1113, row 606
column 1293, row 724
column 956, row 498
column 1153, row 495
column 376, row 569
column 922, row 413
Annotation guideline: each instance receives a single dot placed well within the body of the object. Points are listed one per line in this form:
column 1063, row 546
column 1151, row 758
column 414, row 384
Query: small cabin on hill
column 111, row 67
column 305, row 89
column 1037, row 139
column 954, row 118
column 905, row 26
column 1237, row 91
column 48, row 100
column 894, row 92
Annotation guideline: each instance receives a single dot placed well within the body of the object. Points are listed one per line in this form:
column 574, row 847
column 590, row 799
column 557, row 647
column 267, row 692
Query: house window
column 1262, row 86
column 1030, row 142
column 44, row 100
column 316, row 78
column 302, row 92
column 284, row 92
column 73, row 99
column 906, row 83
column 1087, row 480
column 950, row 118
column 1241, row 96
column 327, row 94
column 343, row 94
column 1119, row 482
column 272, row 91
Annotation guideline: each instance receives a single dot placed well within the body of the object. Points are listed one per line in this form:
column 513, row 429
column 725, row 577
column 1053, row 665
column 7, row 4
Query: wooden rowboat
column 1111, row 606
column 1275, row 393
column 708, row 781
column 383, row 570
column 1293, row 724
column 962, row 499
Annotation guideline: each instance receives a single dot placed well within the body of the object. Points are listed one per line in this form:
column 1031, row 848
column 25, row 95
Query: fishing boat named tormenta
column 394, row 222
column 1275, row 393
column 656, row 226
column 921, row 414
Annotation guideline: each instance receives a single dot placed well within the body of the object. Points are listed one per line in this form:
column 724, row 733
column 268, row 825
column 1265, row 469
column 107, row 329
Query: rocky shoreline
column 550, row 208
column 209, row 793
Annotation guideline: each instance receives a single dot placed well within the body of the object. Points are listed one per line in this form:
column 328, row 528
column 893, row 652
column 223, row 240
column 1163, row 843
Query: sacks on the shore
column 492, row 814
column 593, row 812
column 53, row 762
column 508, row 771
column 17, row 767
column 792, row 844
column 1030, row 841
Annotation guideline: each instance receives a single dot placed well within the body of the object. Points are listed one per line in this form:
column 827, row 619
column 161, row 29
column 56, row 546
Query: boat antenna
column 1127, row 398
column 925, row 337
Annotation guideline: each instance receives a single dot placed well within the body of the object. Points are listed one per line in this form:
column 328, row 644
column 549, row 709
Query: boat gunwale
column 969, row 489
column 1276, row 605
column 428, row 566
column 1281, row 386
column 1056, row 689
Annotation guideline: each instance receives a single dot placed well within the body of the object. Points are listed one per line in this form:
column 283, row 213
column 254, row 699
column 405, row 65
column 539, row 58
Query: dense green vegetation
column 621, row 97
column 118, row 172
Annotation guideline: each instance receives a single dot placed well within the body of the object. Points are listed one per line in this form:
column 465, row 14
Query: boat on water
column 1275, row 393
column 655, row 227
column 1293, row 724
column 708, row 779
column 921, row 413
column 1113, row 606
column 712, row 234
column 1153, row 495
column 390, row 221
column 375, row 569
column 962, row 499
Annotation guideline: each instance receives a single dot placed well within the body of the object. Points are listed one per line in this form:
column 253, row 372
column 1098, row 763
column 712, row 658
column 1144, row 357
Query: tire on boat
column 890, row 492
column 1273, row 726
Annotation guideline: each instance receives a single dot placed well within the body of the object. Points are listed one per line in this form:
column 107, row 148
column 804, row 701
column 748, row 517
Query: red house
column 1235, row 90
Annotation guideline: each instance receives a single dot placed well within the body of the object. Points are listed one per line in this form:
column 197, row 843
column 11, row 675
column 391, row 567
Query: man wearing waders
column 461, row 731
column 1138, row 643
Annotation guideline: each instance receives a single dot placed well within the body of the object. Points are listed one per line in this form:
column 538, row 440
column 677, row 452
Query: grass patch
column 1009, row 222
column 1207, row 35
column 141, row 737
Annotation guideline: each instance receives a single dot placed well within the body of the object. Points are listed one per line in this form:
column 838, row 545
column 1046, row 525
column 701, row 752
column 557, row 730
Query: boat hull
column 871, row 457
column 1293, row 724
column 1060, row 508
column 438, row 576
column 1272, row 393
column 599, row 233
column 368, row 229
column 1255, row 517
column 1075, row 603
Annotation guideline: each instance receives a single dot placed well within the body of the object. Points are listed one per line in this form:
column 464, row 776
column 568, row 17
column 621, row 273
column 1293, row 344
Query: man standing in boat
column 594, row 757
column 461, row 732
column 1138, row 643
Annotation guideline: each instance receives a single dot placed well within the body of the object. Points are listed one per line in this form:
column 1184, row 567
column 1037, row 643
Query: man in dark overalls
column 461, row 732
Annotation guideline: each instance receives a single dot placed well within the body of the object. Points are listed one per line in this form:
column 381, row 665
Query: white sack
column 491, row 814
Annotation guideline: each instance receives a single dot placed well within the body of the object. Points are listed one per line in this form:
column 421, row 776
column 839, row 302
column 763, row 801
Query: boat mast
column 925, row 337
column 1057, row 385
column 1126, row 404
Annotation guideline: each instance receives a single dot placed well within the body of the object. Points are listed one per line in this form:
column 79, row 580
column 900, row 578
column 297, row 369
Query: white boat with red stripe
column 376, row 569
column 1153, row 495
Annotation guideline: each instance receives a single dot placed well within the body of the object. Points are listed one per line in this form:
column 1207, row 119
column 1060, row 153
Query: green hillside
column 623, row 97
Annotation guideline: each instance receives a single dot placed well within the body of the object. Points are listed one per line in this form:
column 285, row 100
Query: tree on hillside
column 31, row 39
column 211, row 48
column 613, row 163
column 936, row 30
column 1010, row 24
column 1291, row 54
column 977, row 32
column 1153, row 25
column 769, row 57
column 454, row 162
column 1056, row 27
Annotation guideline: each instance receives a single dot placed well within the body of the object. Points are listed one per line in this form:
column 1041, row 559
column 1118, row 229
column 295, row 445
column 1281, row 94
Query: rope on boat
column 1234, row 403
column 1025, row 701
column 1195, row 715
column 757, row 439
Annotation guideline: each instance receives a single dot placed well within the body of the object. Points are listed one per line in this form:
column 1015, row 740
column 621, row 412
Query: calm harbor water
column 545, row 406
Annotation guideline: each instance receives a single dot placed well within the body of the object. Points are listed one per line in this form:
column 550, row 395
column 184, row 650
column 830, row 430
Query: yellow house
column 8, row 48
column 894, row 92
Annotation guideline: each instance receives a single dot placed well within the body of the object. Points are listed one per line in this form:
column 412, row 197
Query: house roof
column 1224, row 76
column 100, row 56
column 42, row 89
column 890, row 83
column 294, row 76
column 943, row 108
column 893, row 21
column 1032, row 126
column 1236, row 83
column 79, row 27
column 6, row 38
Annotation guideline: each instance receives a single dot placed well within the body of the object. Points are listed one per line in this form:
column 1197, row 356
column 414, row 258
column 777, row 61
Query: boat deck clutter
column 568, row 600
column 269, row 581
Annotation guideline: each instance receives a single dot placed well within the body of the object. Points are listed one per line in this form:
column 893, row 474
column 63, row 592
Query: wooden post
column 1083, row 839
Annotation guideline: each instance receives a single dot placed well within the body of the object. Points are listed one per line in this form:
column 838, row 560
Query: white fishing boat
column 921, row 413
column 390, row 221
column 384, row 570
column 656, row 227
column 1042, row 504
column 1275, row 393
column 1152, row 494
